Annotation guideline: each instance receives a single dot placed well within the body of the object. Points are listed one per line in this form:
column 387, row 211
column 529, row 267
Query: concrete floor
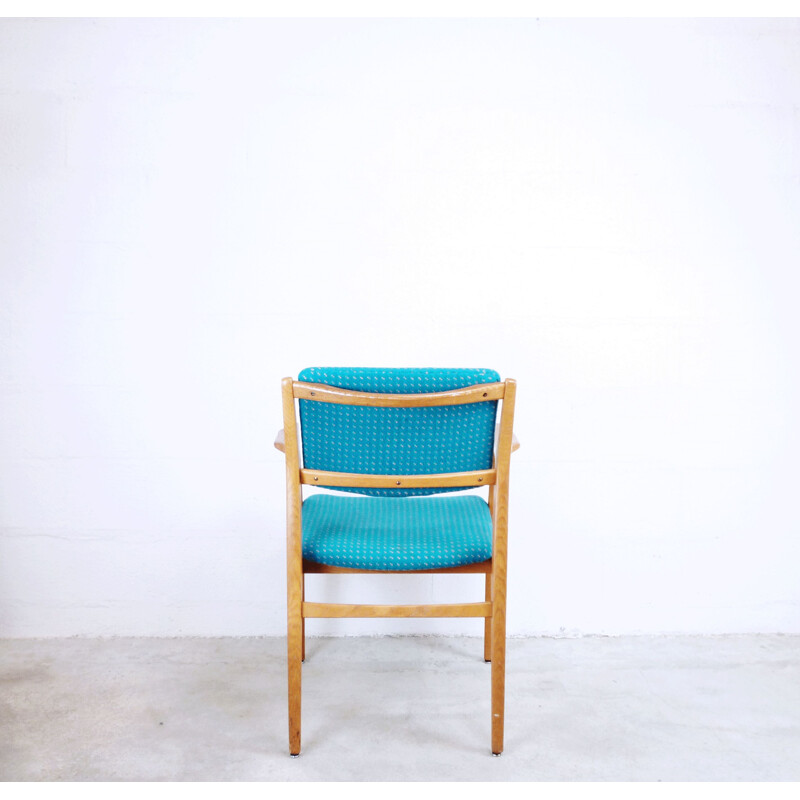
column 401, row 708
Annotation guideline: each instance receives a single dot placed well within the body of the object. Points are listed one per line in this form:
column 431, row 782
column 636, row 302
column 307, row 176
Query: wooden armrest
column 280, row 442
column 515, row 445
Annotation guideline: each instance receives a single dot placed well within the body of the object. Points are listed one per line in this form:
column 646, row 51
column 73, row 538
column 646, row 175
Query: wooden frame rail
column 482, row 568
column 479, row 393
column 354, row 611
column 316, row 477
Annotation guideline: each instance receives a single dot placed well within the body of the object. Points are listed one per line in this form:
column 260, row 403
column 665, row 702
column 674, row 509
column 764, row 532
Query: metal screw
column 316, row 478
column 398, row 483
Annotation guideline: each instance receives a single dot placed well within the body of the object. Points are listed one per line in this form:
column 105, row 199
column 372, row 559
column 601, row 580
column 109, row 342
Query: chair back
column 397, row 441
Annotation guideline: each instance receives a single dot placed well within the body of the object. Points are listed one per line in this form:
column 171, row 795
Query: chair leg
column 498, row 669
column 487, row 625
column 294, row 639
column 303, row 628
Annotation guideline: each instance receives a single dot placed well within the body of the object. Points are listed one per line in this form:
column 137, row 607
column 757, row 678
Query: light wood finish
column 514, row 441
column 330, row 394
column 294, row 566
column 316, row 477
column 348, row 610
column 499, row 562
column 310, row 567
column 493, row 609
column 487, row 624
column 303, row 622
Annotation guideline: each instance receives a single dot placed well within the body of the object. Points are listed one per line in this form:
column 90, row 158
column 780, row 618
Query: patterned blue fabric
column 397, row 441
column 389, row 533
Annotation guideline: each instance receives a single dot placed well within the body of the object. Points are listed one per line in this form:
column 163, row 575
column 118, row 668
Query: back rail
column 330, row 394
column 316, row 477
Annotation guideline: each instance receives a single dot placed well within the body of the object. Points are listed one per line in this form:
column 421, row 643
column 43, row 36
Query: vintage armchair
column 396, row 435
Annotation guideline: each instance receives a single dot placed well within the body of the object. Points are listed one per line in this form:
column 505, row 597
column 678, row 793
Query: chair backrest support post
column 503, row 467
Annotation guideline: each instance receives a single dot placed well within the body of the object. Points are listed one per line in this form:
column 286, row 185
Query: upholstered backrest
column 397, row 441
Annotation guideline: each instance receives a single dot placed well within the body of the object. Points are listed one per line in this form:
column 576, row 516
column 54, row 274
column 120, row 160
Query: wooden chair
column 394, row 435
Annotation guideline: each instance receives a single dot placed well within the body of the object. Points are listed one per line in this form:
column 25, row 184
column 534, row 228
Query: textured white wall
column 605, row 210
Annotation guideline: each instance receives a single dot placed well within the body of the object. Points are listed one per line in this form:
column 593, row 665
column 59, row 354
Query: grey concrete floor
column 411, row 708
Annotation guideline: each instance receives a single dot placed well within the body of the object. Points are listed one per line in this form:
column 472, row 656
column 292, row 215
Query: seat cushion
column 396, row 533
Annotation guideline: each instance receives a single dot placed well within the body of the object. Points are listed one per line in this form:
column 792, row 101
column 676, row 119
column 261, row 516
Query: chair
column 395, row 435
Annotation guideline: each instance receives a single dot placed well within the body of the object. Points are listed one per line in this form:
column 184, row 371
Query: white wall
column 607, row 211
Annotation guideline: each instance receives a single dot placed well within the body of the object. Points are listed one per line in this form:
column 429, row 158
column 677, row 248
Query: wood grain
column 480, row 393
column 348, row 610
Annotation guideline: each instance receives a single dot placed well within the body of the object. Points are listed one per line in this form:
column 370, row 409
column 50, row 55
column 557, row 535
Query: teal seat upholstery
column 393, row 533
column 397, row 441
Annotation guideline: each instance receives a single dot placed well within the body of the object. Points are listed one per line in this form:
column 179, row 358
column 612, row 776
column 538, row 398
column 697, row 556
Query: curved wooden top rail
column 479, row 393
column 316, row 477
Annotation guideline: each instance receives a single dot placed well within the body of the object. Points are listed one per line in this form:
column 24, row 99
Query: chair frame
column 492, row 609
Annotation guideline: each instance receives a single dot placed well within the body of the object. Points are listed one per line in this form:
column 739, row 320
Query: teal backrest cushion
column 397, row 441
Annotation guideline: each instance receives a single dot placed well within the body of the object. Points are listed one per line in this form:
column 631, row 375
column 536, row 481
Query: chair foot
column 497, row 755
column 294, row 755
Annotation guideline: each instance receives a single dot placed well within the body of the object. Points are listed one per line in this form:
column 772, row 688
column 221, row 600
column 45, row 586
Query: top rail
column 479, row 393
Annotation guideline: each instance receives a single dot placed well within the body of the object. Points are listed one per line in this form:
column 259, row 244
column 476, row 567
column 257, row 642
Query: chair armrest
column 280, row 442
column 515, row 445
